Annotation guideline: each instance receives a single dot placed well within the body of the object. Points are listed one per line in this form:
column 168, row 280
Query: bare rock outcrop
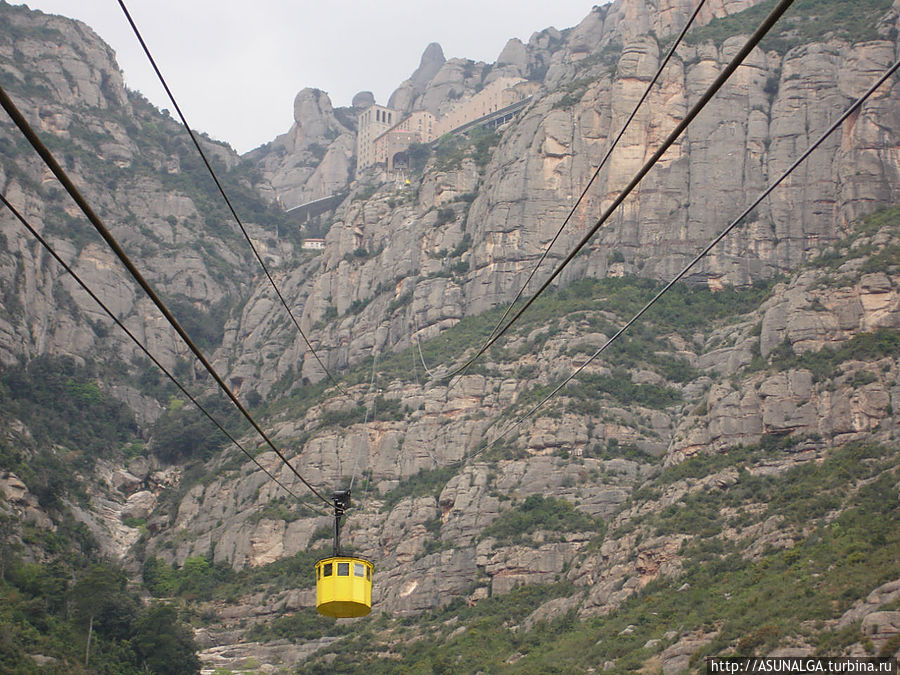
column 314, row 159
column 622, row 567
column 406, row 271
column 404, row 97
column 677, row 658
column 822, row 308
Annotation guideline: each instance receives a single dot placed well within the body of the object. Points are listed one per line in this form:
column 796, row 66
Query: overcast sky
column 235, row 67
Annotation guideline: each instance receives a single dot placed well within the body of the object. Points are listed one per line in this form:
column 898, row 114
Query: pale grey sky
column 235, row 67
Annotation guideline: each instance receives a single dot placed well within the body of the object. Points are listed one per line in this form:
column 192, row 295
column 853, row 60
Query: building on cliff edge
column 385, row 134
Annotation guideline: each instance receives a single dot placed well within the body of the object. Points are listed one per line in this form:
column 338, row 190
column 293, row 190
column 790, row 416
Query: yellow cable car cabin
column 343, row 583
column 344, row 586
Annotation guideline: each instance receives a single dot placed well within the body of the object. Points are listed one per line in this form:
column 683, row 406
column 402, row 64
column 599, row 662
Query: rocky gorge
column 741, row 439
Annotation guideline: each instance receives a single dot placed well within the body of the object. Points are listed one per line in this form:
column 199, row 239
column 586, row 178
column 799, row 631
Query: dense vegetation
column 55, row 395
column 80, row 617
column 554, row 517
column 71, row 423
column 805, row 21
column 200, row 579
column 184, row 433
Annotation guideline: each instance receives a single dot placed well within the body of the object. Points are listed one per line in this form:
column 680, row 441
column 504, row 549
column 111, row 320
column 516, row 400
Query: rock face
column 134, row 166
column 429, row 66
column 420, row 273
column 435, row 546
column 363, row 100
column 807, row 315
column 315, row 158
column 406, row 261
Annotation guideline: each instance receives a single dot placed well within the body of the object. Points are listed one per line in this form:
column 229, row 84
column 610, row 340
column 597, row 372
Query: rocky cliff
column 725, row 478
column 462, row 236
column 640, row 473
column 145, row 179
column 314, row 159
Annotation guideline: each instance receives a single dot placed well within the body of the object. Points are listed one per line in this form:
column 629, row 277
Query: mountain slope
column 723, row 478
column 789, row 423
column 410, row 260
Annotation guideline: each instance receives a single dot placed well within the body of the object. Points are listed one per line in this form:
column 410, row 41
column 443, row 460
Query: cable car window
column 358, row 570
column 326, row 570
column 343, row 569
column 368, row 573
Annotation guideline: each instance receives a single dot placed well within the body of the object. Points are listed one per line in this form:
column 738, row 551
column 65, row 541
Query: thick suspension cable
column 225, row 197
column 49, row 248
column 765, row 193
column 20, row 121
column 596, row 173
column 723, row 77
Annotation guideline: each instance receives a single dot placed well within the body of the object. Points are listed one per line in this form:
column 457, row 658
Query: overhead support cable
column 49, row 248
column 20, row 121
column 225, row 197
column 419, row 344
column 765, row 193
column 596, row 173
column 366, row 419
column 723, row 77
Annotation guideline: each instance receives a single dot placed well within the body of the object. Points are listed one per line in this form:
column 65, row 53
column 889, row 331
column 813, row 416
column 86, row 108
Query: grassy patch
column 877, row 257
column 537, row 512
column 806, row 21
column 419, row 485
column 826, row 362
column 587, row 386
column 306, row 624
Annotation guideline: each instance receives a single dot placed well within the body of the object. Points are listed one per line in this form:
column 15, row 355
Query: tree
column 99, row 591
column 8, row 543
column 165, row 644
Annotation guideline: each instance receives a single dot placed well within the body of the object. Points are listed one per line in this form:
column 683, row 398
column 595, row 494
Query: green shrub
column 619, row 386
column 305, row 624
column 444, row 216
column 335, row 418
column 423, row 483
column 185, row 433
column 824, row 363
column 806, row 21
column 538, row 513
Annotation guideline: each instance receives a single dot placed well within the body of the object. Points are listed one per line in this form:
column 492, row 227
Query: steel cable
column 61, row 175
column 225, row 196
column 49, row 248
column 723, row 77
